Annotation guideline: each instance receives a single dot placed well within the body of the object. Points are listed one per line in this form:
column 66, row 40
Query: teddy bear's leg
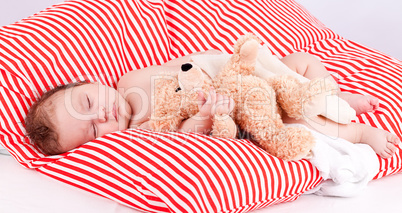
column 259, row 115
column 289, row 143
column 321, row 98
column 338, row 110
column 309, row 99
column 289, row 95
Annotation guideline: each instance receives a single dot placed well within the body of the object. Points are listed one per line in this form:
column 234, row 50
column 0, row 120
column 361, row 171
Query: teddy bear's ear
column 190, row 77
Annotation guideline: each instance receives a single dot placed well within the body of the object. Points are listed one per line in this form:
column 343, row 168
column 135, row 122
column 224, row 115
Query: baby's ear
column 190, row 77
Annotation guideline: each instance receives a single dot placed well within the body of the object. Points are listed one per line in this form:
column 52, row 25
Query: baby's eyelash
column 89, row 102
column 93, row 126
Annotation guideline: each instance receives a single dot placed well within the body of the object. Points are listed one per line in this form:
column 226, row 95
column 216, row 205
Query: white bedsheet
column 383, row 195
column 24, row 190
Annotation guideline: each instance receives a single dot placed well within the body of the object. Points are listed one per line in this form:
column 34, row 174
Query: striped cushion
column 177, row 172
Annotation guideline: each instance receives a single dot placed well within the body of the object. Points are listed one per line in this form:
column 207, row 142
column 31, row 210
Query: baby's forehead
column 60, row 96
column 73, row 91
column 65, row 98
column 52, row 102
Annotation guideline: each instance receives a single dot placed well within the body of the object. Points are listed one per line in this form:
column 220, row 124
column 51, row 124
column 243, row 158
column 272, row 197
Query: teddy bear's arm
column 224, row 126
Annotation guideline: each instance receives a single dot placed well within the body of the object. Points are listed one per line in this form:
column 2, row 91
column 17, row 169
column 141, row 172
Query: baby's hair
column 38, row 125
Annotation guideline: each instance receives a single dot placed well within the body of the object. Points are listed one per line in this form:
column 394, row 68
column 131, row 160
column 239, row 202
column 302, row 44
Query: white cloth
column 345, row 167
column 267, row 65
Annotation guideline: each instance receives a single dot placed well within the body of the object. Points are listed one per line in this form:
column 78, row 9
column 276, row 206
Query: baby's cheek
column 108, row 128
column 123, row 123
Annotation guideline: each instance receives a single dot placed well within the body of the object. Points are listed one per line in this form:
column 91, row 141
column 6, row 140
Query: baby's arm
column 215, row 104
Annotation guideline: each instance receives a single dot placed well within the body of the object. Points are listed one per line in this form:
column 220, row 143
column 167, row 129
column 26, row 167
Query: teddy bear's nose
column 186, row 67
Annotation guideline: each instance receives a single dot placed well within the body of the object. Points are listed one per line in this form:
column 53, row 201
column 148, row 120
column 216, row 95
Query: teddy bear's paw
column 301, row 142
column 224, row 127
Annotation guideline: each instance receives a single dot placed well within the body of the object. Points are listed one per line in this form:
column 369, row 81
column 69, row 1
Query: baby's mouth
column 115, row 112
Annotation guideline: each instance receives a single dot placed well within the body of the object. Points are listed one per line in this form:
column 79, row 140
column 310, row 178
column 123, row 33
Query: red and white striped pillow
column 178, row 172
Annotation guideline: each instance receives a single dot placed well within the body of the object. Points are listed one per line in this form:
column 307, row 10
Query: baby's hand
column 215, row 104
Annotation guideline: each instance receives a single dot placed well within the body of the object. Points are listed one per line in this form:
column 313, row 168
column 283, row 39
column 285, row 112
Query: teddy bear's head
column 175, row 98
column 193, row 79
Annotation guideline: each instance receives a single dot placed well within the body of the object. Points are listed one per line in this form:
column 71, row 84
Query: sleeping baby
column 70, row 115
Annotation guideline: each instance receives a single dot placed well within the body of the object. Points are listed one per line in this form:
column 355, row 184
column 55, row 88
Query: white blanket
column 267, row 65
column 345, row 167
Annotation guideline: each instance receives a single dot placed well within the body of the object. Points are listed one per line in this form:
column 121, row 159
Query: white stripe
column 157, row 29
column 19, row 62
column 166, row 154
column 142, row 34
column 86, row 186
column 94, row 173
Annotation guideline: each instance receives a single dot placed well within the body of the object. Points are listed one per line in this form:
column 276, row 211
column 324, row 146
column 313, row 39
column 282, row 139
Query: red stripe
column 137, row 13
column 178, row 17
column 44, row 51
column 146, row 155
column 214, row 23
column 31, row 49
column 263, row 27
column 99, row 30
column 90, row 52
column 85, row 181
column 14, row 83
column 159, row 34
column 287, row 26
column 17, row 46
column 193, row 164
column 136, row 34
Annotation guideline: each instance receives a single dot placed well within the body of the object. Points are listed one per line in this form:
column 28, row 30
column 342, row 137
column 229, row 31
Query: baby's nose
column 102, row 114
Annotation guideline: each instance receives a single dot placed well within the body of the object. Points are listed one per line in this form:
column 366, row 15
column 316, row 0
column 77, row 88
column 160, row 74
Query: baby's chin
column 123, row 123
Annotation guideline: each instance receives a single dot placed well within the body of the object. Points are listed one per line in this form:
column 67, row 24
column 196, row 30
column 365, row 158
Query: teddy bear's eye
column 178, row 89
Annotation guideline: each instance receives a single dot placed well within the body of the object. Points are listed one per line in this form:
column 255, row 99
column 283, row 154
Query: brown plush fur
column 172, row 104
column 258, row 103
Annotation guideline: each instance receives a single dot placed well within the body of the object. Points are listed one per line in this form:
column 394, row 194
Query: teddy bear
column 259, row 102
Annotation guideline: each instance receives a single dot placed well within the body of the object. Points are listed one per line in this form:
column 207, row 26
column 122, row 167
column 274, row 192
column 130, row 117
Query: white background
column 375, row 23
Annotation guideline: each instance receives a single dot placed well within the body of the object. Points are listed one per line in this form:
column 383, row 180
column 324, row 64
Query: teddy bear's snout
column 186, row 67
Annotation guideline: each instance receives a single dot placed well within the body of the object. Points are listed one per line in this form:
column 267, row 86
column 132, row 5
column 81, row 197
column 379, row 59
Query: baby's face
column 86, row 112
